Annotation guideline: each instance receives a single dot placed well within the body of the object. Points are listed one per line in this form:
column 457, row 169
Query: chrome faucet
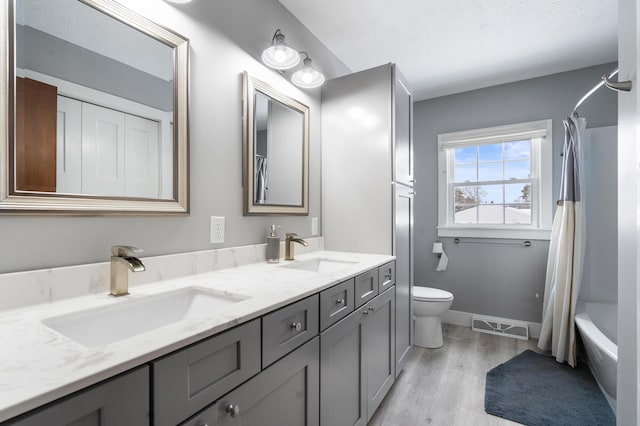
column 122, row 262
column 288, row 245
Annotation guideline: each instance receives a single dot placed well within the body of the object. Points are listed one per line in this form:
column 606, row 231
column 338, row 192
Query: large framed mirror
column 95, row 106
column 276, row 151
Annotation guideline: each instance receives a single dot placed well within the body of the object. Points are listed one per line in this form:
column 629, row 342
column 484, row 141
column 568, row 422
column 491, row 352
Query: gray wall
column 600, row 198
column 227, row 37
column 492, row 279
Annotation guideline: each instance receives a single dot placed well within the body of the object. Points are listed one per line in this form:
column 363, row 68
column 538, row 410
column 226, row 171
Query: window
column 496, row 182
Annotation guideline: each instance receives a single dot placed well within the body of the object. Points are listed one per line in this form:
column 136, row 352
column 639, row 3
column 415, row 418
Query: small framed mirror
column 276, row 151
column 95, row 102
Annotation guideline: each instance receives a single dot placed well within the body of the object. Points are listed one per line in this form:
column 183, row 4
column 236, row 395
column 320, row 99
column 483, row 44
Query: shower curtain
column 260, row 183
column 566, row 253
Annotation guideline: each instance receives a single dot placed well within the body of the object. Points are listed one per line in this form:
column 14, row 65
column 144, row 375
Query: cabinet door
column 379, row 346
column 123, row 401
column 286, row 393
column 404, row 273
column 403, row 130
column 342, row 373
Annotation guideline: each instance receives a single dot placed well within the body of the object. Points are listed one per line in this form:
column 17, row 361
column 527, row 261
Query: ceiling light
column 280, row 55
column 307, row 77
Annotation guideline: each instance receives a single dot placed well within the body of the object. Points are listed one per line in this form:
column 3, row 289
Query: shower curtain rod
column 624, row 86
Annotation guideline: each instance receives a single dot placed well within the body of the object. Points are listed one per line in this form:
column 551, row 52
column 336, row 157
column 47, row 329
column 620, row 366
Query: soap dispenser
column 273, row 246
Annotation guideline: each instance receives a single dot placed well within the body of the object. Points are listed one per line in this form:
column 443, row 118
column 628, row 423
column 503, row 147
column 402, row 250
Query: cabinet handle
column 365, row 312
column 371, row 308
column 339, row 301
column 233, row 410
column 387, row 275
column 297, row 326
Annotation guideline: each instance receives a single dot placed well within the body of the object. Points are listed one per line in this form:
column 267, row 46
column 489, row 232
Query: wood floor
column 445, row 386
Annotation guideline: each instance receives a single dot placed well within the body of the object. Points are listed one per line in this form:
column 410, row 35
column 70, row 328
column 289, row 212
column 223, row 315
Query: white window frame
column 540, row 134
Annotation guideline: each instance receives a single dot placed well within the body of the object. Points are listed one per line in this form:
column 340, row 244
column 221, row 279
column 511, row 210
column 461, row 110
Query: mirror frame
column 249, row 88
column 14, row 202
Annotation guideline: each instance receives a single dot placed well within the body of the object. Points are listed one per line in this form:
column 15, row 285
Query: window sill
column 488, row 232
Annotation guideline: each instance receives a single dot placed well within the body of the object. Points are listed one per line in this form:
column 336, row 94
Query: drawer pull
column 366, row 312
column 387, row 275
column 297, row 326
column 233, row 410
column 370, row 308
column 339, row 301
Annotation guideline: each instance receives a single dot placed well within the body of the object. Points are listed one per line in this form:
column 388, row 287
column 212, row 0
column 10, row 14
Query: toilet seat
column 428, row 294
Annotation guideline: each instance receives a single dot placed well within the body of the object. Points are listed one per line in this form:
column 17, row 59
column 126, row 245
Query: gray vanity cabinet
column 286, row 393
column 357, row 363
column 121, row 401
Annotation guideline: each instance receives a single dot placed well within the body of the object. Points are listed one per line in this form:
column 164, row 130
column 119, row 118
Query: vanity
column 307, row 342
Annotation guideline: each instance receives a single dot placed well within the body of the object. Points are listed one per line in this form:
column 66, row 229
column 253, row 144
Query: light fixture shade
column 307, row 77
column 279, row 55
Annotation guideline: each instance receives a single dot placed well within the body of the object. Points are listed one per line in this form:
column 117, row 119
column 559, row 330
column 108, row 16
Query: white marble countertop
column 39, row 365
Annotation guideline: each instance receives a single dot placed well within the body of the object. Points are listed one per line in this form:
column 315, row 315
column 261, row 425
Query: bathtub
column 597, row 324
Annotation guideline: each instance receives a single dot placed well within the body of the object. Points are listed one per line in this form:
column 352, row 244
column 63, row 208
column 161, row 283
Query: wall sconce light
column 281, row 56
column 307, row 77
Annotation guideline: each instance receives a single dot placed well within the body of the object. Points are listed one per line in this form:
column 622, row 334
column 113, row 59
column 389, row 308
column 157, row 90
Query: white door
column 102, row 151
column 142, row 157
column 69, row 146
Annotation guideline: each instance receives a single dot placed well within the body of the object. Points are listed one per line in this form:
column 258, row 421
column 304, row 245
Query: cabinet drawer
column 190, row 379
column 336, row 303
column 386, row 276
column 366, row 287
column 287, row 328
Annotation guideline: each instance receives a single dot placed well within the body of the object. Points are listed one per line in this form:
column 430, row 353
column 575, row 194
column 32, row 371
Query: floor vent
column 500, row 326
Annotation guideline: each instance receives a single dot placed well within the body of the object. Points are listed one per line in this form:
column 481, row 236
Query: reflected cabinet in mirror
column 276, row 151
column 95, row 101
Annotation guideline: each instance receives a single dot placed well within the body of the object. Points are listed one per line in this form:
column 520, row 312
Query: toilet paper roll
column 442, row 264
column 437, row 247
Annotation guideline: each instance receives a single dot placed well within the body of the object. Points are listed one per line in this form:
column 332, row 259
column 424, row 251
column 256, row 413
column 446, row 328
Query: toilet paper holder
column 437, row 248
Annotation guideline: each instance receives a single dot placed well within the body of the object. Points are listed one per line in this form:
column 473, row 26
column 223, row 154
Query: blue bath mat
column 534, row 389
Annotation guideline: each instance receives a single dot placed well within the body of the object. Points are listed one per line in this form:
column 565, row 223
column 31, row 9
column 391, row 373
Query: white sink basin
column 320, row 264
column 127, row 318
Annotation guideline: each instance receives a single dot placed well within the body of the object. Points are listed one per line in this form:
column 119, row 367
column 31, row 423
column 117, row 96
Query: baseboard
column 464, row 319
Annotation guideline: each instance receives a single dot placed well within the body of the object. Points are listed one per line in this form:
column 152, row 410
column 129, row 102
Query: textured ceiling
column 445, row 47
column 84, row 26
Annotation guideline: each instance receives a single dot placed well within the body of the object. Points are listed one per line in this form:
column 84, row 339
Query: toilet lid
column 430, row 294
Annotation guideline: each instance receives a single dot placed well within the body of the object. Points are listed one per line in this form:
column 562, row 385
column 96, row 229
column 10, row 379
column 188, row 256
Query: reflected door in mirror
column 35, row 146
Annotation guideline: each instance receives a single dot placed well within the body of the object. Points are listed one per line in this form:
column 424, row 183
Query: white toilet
column 428, row 305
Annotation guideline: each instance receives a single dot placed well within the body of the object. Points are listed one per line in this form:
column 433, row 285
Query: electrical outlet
column 314, row 226
column 217, row 229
